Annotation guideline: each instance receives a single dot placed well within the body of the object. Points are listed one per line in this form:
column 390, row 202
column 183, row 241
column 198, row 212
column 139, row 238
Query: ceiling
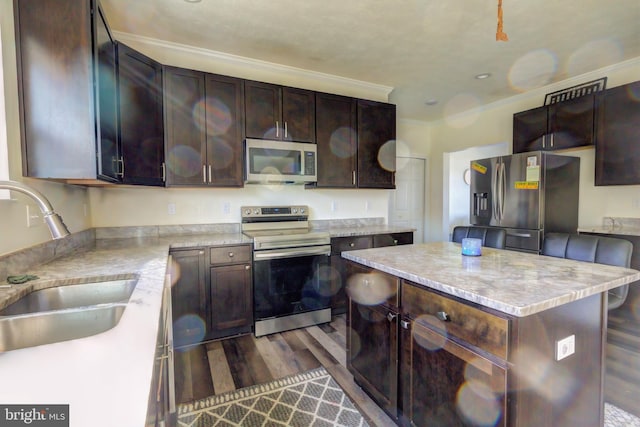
column 423, row 49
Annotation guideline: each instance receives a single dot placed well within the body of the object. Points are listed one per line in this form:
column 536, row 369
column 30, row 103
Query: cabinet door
column 225, row 127
column 189, row 297
column 336, row 140
column 376, row 144
column 444, row 383
column 61, row 143
column 109, row 156
column 263, row 110
column 141, row 120
column 372, row 352
column 618, row 147
column 185, row 132
column 529, row 130
column 298, row 115
column 231, row 299
column 571, row 123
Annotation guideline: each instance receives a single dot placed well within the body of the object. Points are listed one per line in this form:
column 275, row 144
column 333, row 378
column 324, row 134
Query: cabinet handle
column 442, row 315
column 204, row 173
column 277, row 129
column 552, row 140
column 390, row 317
column 543, row 138
column 200, row 252
column 353, row 177
column 351, row 245
column 404, row 324
column 121, row 162
column 230, row 254
column 286, row 132
column 247, row 267
column 164, row 172
column 395, row 242
column 209, row 174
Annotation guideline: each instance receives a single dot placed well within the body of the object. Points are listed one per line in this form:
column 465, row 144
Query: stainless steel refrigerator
column 527, row 194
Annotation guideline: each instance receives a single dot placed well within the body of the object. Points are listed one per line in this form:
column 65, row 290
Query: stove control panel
column 274, row 211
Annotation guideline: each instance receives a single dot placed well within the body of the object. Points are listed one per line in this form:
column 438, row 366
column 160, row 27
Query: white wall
column 494, row 124
column 68, row 201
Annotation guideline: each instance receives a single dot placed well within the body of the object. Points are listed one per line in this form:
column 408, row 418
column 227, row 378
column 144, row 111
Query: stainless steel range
column 291, row 287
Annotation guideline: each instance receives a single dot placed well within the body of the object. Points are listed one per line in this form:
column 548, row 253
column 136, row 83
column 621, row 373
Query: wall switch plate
column 171, row 208
column 333, row 206
column 226, row 208
column 565, row 347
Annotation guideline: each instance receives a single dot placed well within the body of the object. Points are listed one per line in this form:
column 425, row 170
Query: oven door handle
column 291, row 252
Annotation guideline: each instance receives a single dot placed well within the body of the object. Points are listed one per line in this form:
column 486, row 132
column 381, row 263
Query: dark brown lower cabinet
column 444, row 383
column 231, row 300
column 189, row 296
column 431, row 359
column 372, row 355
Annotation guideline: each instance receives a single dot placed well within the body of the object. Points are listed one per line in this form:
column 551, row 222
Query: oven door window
column 290, row 285
column 275, row 161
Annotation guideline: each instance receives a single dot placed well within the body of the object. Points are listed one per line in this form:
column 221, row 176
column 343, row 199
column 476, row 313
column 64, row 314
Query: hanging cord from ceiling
column 500, row 35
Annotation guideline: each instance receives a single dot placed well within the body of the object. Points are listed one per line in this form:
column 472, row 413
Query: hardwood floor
column 220, row 366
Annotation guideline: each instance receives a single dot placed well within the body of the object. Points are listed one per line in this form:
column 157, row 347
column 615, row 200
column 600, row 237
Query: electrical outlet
column 366, row 206
column 333, row 206
column 33, row 216
column 565, row 347
column 171, row 208
column 226, row 208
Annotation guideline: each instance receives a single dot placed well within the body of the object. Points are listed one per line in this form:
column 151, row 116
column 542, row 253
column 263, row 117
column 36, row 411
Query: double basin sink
column 63, row 313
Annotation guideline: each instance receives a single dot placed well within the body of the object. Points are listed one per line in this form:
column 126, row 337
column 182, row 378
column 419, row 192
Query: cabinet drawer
column 230, row 254
column 339, row 244
column 479, row 328
column 392, row 239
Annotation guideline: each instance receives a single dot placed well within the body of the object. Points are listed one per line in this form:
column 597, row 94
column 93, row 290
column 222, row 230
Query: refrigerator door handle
column 503, row 189
column 494, row 192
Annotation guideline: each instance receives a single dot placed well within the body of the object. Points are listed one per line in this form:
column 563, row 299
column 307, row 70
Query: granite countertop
column 615, row 225
column 515, row 283
column 112, row 369
column 104, row 378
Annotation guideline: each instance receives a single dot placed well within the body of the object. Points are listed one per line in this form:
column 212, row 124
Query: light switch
column 565, row 347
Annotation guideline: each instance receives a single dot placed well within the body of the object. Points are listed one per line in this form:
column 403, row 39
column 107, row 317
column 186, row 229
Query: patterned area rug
column 311, row 398
column 616, row 417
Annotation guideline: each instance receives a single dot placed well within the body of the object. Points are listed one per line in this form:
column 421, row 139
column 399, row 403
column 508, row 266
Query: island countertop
column 515, row 283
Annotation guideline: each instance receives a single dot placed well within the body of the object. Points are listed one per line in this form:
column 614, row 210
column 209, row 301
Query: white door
column 406, row 202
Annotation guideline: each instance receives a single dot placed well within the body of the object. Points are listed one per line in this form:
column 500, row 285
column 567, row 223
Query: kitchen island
column 506, row 338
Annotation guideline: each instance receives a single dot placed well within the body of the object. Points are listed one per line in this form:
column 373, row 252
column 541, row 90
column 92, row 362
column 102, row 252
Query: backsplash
column 616, row 222
column 22, row 261
column 165, row 230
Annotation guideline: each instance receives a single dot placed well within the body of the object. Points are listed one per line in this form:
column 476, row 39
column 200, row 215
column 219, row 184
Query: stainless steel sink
column 34, row 329
column 63, row 313
column 71, row 296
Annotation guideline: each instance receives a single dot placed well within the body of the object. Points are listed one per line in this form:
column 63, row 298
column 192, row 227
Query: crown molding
column 255, row 64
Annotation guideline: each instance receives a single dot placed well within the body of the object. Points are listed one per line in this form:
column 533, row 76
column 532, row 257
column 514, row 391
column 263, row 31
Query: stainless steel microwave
column 268, row 162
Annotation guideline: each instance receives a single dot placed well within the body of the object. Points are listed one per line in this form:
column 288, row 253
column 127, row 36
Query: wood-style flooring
column 220, row 366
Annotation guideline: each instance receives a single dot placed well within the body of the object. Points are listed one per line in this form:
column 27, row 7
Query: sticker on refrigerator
column 533, row 173
column 478, row 168
column 526, row 185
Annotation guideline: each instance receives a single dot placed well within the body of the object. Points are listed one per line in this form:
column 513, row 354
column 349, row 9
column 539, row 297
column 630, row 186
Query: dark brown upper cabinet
column 141, row 118
column 337, row 141
column 203, row 128
column 67, row 90
column 566, row 124
column 376, row 144
column 277, row 112
column 618, row 147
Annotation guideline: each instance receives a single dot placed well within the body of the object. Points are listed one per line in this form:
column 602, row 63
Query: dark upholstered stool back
column 491, row 237
column 588, row 248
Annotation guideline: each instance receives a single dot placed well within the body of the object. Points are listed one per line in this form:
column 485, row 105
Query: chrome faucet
column 53, row 220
